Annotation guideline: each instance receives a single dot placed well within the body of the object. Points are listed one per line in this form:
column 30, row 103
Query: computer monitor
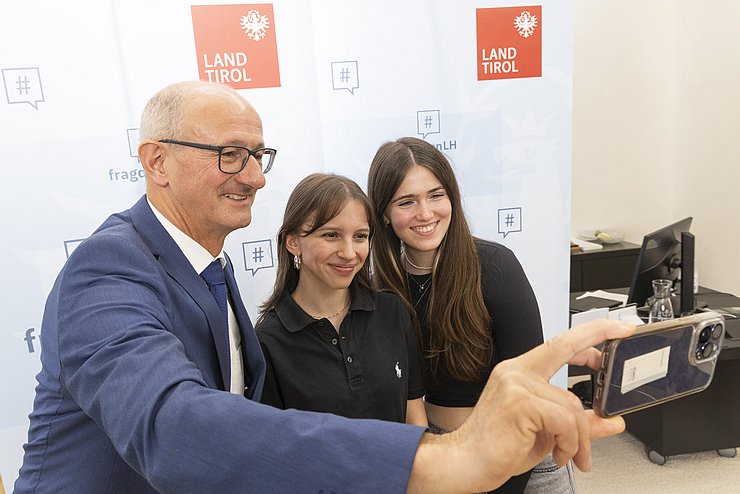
column 663, row 254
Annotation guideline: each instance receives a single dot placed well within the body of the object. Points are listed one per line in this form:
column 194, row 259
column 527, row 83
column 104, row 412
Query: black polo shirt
column 367, row 370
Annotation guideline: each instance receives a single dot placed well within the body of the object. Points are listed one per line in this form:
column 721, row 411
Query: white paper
column 589, row 315
column 628, row 314
column 645, row 369
column 619, row 297
column 584, row 245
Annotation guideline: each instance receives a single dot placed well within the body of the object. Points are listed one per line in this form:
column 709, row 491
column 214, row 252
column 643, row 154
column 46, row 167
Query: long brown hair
column 459, row 323
column 319, row 198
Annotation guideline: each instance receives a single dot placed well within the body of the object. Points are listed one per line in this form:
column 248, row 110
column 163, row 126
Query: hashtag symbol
column 344, row 75
column 509, row 221
column 23, row 85
column 257, row 254
column 428, row 121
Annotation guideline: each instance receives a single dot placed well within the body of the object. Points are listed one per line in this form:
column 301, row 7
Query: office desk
column 609, row 267
column 706, row 421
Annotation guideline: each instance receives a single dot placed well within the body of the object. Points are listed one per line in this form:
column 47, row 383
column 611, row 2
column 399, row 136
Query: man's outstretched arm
column 519, row 419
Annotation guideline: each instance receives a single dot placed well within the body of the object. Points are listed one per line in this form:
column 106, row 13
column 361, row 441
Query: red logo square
column 236, row 45
column 509, row 42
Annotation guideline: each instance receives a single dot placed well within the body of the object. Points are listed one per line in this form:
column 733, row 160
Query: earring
column 297, row 262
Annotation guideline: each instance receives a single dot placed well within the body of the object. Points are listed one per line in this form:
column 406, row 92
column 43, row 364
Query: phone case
column 660, row 362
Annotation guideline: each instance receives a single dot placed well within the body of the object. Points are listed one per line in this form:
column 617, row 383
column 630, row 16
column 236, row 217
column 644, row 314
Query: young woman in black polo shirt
column 330, row 342
column 471, row 302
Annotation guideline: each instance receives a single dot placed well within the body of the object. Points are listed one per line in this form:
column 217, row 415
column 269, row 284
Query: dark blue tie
column 214, row 276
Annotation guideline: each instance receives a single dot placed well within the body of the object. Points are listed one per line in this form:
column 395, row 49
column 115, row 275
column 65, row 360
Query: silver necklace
column 420, row 268
column 422, row 287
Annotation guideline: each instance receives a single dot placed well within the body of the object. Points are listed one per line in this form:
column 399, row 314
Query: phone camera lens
column 704, row 350
column 716, row 331
column 705, row 334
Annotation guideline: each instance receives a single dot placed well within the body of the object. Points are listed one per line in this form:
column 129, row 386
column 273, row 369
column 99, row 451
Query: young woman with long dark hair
column 470, row 300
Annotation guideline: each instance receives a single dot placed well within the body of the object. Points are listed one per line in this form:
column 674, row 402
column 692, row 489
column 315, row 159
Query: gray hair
column 163, row 114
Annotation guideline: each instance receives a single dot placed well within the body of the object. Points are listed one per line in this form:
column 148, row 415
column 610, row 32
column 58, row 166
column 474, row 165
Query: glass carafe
column 661, row 307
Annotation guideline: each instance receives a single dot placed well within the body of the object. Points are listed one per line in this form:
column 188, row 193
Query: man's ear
column 152, row 156
column 291, row 243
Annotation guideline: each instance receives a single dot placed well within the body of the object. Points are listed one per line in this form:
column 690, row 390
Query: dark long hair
column 319, row 198
column 459, row 324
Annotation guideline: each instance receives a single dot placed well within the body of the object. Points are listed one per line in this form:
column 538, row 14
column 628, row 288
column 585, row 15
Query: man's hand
column 520, row 418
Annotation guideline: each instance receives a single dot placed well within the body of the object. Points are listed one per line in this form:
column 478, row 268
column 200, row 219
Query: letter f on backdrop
column 29, row 339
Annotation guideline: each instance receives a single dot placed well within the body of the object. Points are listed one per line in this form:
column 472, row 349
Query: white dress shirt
column 200, row 258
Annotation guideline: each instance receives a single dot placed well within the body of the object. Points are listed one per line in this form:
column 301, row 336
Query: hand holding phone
column 660, row 362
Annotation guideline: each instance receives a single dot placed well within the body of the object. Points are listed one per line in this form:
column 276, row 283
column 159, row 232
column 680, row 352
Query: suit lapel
column 254, row 361
column 174, row 262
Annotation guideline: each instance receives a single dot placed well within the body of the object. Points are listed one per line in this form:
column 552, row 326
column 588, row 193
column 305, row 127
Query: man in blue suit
column 148, row 384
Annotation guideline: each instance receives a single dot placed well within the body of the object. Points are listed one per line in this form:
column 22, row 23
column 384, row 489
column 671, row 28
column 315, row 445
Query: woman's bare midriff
column 447, row 418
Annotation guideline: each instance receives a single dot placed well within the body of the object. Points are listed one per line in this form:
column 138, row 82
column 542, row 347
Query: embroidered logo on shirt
column 398, row 371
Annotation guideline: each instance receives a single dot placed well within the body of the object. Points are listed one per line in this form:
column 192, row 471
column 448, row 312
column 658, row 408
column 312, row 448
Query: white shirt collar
column 195, row 253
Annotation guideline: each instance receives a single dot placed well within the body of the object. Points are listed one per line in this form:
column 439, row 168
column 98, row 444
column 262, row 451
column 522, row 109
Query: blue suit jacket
column 130, row 395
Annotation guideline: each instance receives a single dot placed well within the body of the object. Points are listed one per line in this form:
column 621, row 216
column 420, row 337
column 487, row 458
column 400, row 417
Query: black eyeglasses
column 233, row 159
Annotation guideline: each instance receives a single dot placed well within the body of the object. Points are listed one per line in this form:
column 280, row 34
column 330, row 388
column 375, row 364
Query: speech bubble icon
column 345, row 75
column 23, row 86
column 71, row 245
column 133, row 142
column 257, row 255
column 427, row 122
column 509, row 220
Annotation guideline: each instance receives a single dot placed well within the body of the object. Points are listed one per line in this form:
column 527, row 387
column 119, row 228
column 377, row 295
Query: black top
column 515, row 317
column 367, row 370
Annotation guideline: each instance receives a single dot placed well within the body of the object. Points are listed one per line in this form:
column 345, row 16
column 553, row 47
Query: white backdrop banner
column 489, row 83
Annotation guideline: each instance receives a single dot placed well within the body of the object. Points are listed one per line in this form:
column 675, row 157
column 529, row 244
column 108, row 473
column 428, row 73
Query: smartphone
column 660, row 362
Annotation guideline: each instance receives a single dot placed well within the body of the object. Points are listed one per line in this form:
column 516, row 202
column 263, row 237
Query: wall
column 655, row 133
column 708, row 136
